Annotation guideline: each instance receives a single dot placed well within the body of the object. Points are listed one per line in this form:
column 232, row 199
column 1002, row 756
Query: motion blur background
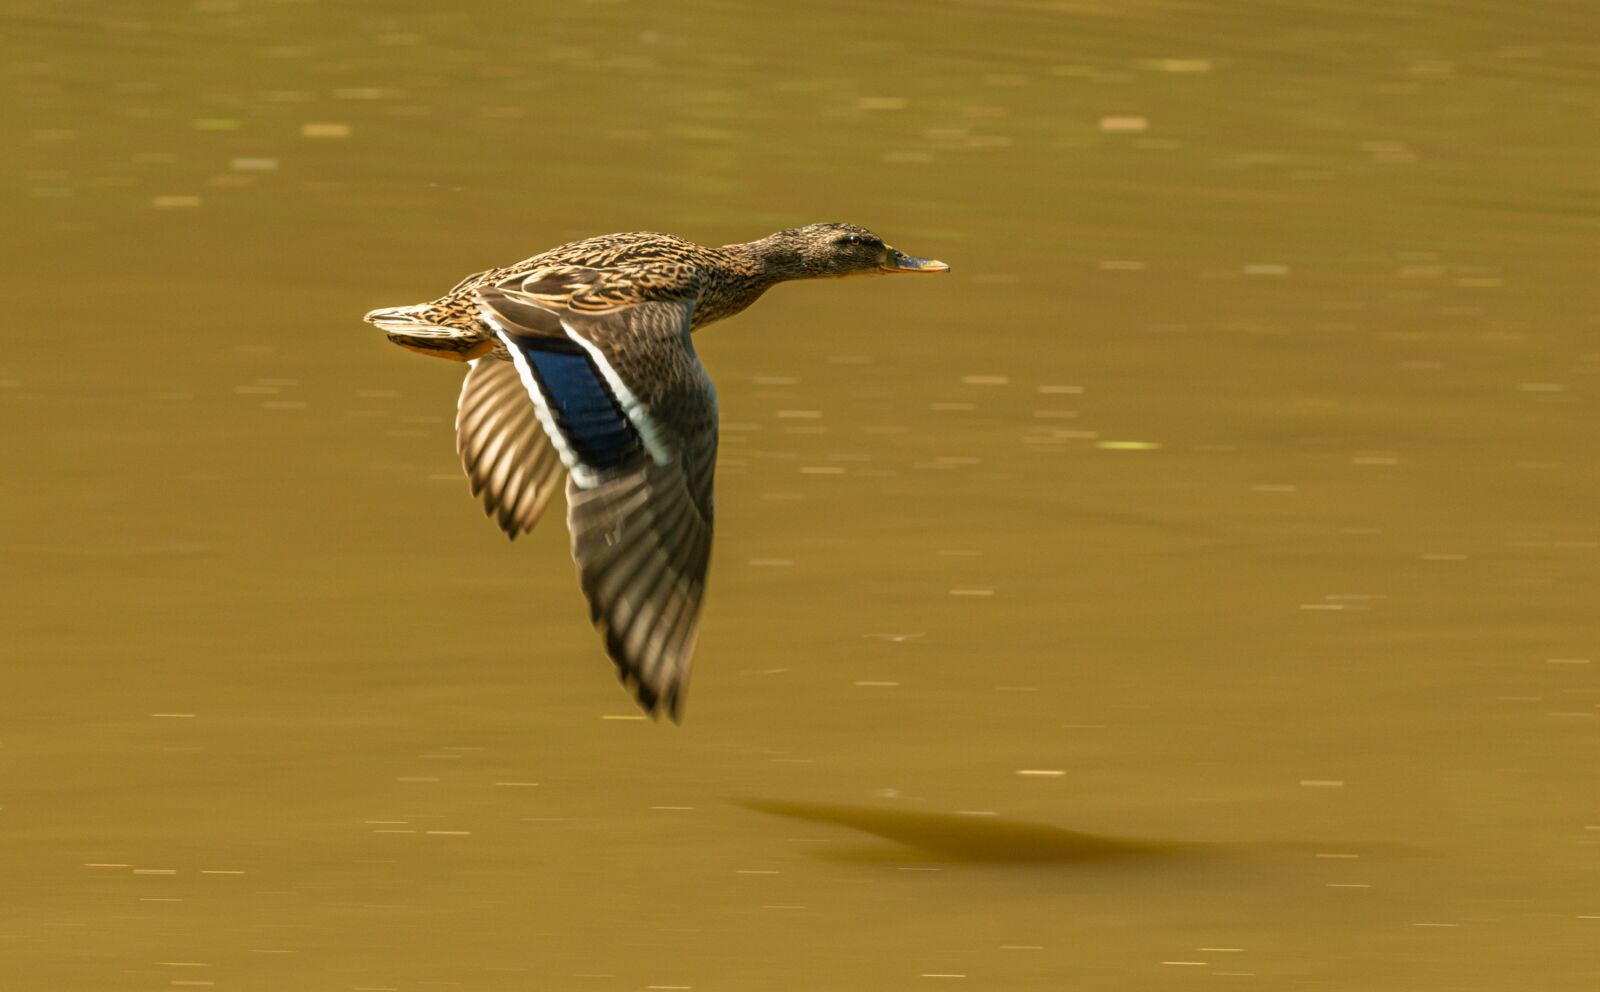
column 1227, row 514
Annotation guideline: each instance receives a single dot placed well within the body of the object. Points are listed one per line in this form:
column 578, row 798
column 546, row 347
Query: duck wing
column 628, row 407
column 509, row 462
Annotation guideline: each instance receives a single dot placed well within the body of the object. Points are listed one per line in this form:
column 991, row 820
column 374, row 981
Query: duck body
column 594, row 275
column 581, row 365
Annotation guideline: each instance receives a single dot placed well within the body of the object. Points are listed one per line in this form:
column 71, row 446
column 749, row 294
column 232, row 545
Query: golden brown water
column 1197, row 587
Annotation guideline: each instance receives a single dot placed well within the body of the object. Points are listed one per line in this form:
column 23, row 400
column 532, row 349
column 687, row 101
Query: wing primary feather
column 509, row 463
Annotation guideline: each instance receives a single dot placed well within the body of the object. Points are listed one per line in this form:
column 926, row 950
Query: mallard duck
column 580, row 361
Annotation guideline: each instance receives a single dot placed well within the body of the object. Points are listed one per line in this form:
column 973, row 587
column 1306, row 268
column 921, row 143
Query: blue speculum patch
column 584, row 408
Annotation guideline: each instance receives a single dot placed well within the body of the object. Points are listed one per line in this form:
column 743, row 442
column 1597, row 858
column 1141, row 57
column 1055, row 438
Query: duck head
column 836, row 250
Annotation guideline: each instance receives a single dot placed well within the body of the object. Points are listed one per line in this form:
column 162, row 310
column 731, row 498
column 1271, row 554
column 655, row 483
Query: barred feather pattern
column 643, row 543
column 510, row 464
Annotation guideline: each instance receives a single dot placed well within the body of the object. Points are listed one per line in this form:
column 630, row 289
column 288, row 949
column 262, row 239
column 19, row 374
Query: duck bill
column 899, row 261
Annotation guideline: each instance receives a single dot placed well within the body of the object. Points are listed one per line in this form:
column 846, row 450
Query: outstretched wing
column 508, row 460
column 632, row 414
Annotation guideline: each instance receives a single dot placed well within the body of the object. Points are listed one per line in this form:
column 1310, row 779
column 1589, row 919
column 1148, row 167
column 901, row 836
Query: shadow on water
column 963, row 839
column 959, row 838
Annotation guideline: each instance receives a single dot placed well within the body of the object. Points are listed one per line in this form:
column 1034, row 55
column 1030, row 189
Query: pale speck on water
column 1209, row 556
column 1124, row 124
column 1177, row 65
column 324, row 129
column 1128, row 445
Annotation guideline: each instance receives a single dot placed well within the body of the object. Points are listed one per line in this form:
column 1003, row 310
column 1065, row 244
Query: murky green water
column 1197, row 586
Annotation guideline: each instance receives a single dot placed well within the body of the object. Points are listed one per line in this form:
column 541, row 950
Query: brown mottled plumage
column 581, row 359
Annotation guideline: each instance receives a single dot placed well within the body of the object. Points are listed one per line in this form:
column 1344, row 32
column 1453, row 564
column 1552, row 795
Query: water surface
column 1197, row 584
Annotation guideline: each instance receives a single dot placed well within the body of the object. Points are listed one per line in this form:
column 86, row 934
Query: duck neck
column 746, row 271
column 777, row 258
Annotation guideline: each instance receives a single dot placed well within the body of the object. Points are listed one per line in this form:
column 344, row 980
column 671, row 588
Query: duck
column 581, row 367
